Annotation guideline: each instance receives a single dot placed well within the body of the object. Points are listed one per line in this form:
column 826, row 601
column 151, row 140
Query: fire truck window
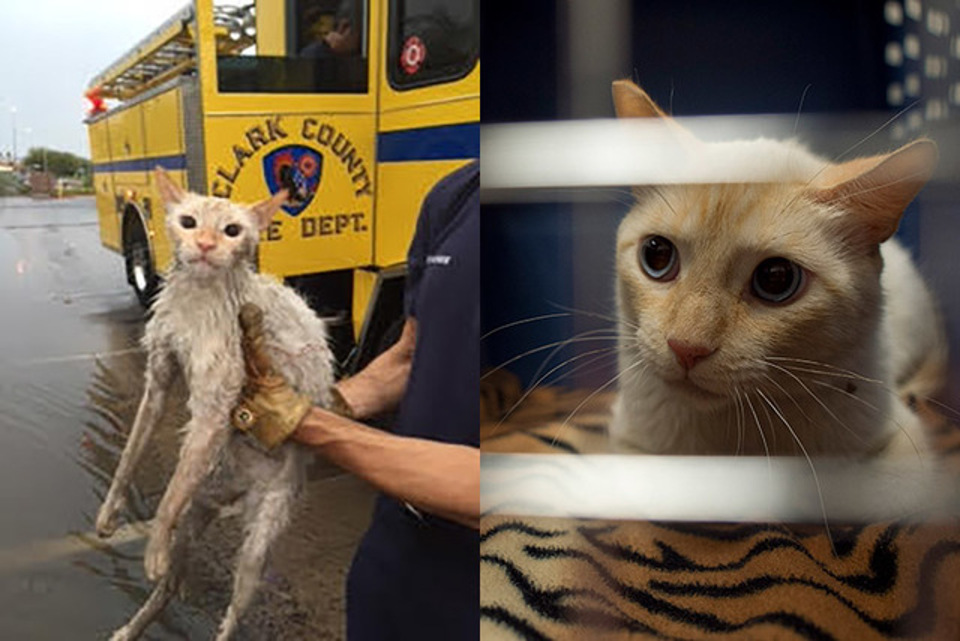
column 432, row 41
column 325, row 49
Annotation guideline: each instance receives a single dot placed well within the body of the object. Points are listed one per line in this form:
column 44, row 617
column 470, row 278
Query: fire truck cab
column 356, row 107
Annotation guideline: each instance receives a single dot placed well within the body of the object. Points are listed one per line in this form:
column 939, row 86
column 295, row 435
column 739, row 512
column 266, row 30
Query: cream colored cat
column 774, row 317
column 194, row 329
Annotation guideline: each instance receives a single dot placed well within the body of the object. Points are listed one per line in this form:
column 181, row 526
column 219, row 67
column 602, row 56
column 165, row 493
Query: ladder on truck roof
column 170, row 50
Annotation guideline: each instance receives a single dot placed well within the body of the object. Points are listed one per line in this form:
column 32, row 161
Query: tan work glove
column 269, row 408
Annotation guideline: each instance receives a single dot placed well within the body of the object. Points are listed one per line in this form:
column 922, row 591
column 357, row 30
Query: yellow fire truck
column 357, row 107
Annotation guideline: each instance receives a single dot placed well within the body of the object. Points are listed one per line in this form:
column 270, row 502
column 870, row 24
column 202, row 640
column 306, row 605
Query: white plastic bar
column 721, row 489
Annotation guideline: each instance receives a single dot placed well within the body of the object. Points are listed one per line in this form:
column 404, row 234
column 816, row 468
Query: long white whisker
column 813, row 469
column 594, row 393
column 853, row 147
column 585, row 367
column 763, row 438
column 900, row 427
column 942, row 406
column 849, row 374
column 542, row 348
column 605, row 351
column 814, row 397
column 524, row 322
column 741, row 420
column 598, row 315
column 605, row 332
column 839, row 370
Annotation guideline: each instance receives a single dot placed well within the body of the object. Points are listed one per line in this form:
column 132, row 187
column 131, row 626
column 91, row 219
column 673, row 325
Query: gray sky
column 50, row 49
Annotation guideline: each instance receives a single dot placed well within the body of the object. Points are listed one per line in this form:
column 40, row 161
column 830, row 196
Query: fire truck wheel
column 140, row 272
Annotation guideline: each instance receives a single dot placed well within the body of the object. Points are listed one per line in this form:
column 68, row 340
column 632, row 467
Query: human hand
column 342, row 40
column 269, row 408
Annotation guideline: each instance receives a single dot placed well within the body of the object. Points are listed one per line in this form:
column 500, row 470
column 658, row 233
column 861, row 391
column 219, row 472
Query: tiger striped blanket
column 581, row 579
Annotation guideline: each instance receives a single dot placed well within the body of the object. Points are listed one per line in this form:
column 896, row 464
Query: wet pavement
column 71, row 375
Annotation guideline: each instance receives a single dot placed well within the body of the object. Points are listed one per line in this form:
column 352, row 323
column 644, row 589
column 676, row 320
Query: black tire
column 139, row 263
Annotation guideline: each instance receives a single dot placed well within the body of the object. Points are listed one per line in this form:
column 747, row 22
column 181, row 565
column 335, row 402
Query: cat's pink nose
column 687, row 354
column 206, row 243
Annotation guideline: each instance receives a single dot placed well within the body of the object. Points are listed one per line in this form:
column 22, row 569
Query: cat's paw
column 228, row 626
column 156, row 558
column 108, row 516
column 123, row 634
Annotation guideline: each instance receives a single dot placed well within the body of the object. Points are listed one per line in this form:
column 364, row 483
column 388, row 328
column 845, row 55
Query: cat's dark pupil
column 657, row 253
column 232, row 229
column 776, row 279
column 188, row 222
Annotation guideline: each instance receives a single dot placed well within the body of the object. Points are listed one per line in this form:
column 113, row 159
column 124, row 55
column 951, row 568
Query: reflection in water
column 113, row 395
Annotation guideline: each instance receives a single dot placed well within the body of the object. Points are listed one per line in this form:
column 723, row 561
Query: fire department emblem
column 297, row 169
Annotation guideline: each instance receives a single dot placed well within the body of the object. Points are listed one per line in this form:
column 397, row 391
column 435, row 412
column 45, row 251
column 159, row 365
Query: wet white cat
column 194, row 329
column 773, row 317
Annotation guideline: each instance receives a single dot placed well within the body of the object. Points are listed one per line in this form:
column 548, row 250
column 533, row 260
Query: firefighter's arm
column 438, row 478
column 379, row 386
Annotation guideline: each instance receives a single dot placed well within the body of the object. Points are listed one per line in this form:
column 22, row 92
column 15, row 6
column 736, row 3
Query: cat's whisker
column 603, row 352
column 876, row 409
column 858, row 144
column 545, row 347
column 763, row 437
column 741, row 419
column 769, row 421
column 805, row 361
column 878, row 187
column 603, row 332
column 585, row 368
column 595, row 392
column 849, row 374
column 803, row 97
column 659, row 192
column 598, row 315
column 955, row 413
column 524, row 321
column 815, row 398
column 789, row 396
column 813, row 468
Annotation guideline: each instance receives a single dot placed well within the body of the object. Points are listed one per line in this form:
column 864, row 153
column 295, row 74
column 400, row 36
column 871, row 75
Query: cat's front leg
column 161, row 367
column 206, row 435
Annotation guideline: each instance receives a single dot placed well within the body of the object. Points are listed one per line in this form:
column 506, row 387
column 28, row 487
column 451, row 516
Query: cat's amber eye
column 233, row 230
column 777, row 280
column 659, row 258
column 188, row 222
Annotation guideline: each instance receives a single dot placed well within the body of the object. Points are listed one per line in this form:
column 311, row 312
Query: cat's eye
column 188, row 222
column 233, row 230
column 659, row 258
column 777, row 280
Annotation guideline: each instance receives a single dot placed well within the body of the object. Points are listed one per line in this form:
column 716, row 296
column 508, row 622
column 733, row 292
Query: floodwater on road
column 71, row 375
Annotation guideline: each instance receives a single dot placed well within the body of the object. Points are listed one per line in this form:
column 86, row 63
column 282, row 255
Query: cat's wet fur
column 194, row 329
column 708, row 365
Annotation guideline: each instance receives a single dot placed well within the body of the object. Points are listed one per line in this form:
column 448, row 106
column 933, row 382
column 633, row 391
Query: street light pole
column 13, row 118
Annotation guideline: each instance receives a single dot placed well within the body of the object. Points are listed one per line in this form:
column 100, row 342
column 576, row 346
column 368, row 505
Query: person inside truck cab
column 415, row 574
column 343, row 39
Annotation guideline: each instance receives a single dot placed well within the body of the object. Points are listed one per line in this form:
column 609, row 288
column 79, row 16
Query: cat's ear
column 630, row 101
column 264, row 210
column 874, row 191
column 170, row 192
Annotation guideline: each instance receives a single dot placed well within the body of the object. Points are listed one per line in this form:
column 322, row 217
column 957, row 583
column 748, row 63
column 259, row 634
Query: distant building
column 42, row 183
